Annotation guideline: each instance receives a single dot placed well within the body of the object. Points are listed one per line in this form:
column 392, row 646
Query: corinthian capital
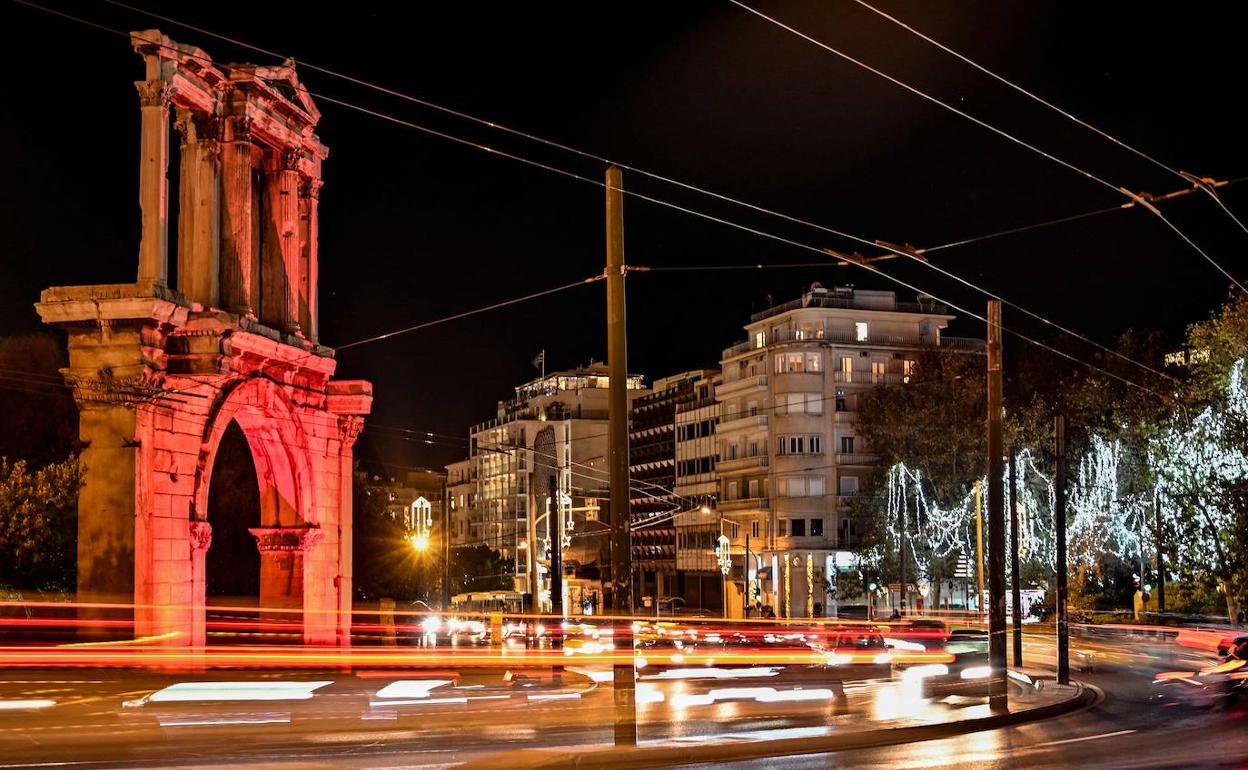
column 154, row 93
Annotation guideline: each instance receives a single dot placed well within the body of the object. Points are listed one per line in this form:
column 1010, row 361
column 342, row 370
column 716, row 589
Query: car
column 857, row 653
column 967, row 674
column 1225, row 681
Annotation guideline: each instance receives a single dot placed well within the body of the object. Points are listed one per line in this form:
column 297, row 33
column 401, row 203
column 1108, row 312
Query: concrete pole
column 979, row 546
column 997, row 692
column 1161, row 561
column 1016, row 592
column 617, row 464
column 1059, row 525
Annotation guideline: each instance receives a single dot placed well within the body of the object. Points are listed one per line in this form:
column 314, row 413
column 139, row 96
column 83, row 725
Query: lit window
column 860, row 331
column 814, row 362
column 760, row 339
column 815, row 486
column 794, row 362
column 907, row 370
column 878, row 369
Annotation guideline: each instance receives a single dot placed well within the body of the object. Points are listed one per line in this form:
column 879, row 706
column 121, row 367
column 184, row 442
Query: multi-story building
column 789, row 456
column 461, row 492
column 653, row 500
column 555, row 426
column 418, row 491
column 697, row 486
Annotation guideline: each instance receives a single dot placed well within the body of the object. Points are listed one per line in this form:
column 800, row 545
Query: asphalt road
column 1129, row 728
column 438, row 719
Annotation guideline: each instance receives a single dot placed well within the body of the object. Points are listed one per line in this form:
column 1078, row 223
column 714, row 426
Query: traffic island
column 1043, row 700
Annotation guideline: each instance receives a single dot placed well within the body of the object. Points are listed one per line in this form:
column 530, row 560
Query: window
column 878, row 368
column 814, row 403
column 754, row 529
column 753, row 487
column 760, row 339
column 814, row 486
column 815, row 444
column 816, row 527
column 849, row 485
column 733, row 490
column 768, row 527
column 751, row 449
column 797, row 527
column 860, row 331
column 732, row 451
column 779, row 363
column 847, row 445
column 907, row 369
column 840, row 401
column 847, row 366
column 782, row 445
column 782, row 528
column 797, row 445
column 752, row 408
column 793, row 362
column 814, row 362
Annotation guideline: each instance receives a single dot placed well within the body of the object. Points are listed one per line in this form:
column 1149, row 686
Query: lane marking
column 1084, row 738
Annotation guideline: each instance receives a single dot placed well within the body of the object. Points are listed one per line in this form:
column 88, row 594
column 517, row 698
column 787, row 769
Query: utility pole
column 901, row 566
column 1161, row 561
column 745, row 602
column 1059, row 525
column 997, row 692
column 554, row 525
column 624, row 679
column 1015, row 589
column 979, row 545
column 446, row 547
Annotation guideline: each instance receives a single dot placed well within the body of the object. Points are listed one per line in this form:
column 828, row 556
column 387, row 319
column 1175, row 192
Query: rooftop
column 818, row 296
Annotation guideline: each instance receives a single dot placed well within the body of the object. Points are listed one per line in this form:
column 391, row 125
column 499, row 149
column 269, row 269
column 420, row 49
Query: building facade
column 653, row 499
column 554, row 428
column 789, row 455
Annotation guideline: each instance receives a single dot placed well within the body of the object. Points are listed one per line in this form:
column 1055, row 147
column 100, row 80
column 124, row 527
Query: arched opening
column 233, row 561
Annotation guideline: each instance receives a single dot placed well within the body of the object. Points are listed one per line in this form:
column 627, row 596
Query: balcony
column 856, row 458
column 848, row 338
column 868, row 378
column 844, row 417
column 742, row 464
column 748, row 422
column 745, row 504
column 728, row 388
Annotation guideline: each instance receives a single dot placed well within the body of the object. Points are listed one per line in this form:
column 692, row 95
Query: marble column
column 309, row 268
column 199, row 210
column 281, row 244
column 238, row 258
column 154, row 96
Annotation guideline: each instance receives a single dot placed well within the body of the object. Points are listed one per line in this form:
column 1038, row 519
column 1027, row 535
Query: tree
column 39, row 524
column 480, row 568
column 931, row 427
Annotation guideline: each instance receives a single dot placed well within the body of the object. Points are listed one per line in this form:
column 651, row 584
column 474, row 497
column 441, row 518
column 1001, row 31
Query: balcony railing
column 851, row 338
column 868, row 378
column 745, row 503
column 742, row 423
column 745, row 383
column 856, row 458
column 742, row 463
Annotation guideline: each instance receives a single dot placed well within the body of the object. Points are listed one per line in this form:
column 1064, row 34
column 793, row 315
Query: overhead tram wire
column 1202, row 184
column 1004, row 134
column 685, row 209
column 643, row 172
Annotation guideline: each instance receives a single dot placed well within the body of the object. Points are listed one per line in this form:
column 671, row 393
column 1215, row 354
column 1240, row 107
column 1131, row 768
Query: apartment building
column 554, row 426
column 653, row 499
column 789, row 455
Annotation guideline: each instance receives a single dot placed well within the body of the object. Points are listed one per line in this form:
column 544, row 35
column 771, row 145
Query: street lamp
column 419, row 541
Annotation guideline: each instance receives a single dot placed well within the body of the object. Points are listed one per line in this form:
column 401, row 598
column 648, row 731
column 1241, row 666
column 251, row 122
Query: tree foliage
column 39, row 524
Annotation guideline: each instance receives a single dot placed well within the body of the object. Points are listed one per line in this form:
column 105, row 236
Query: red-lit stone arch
column 159, row 370
column 280, row 449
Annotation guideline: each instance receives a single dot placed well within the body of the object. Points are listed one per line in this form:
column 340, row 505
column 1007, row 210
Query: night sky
column 414, row 227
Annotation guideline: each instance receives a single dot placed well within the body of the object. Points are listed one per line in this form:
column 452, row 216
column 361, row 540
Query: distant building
column 697, row 485
column 555, row 426
column 653, row 498
column 789, row 455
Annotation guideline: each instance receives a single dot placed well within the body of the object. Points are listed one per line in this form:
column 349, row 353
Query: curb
column 660, row 756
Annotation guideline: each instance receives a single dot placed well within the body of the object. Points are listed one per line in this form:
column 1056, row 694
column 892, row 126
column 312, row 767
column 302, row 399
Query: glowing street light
column 419, row 542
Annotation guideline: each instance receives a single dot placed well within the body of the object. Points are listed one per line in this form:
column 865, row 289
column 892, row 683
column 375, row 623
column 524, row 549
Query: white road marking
column 1084, row 738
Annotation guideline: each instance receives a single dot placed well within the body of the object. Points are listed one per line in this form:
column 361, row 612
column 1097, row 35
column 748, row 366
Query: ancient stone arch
column 160, row 371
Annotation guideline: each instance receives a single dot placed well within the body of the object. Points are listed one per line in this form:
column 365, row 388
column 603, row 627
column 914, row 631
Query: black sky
column 414, row 227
